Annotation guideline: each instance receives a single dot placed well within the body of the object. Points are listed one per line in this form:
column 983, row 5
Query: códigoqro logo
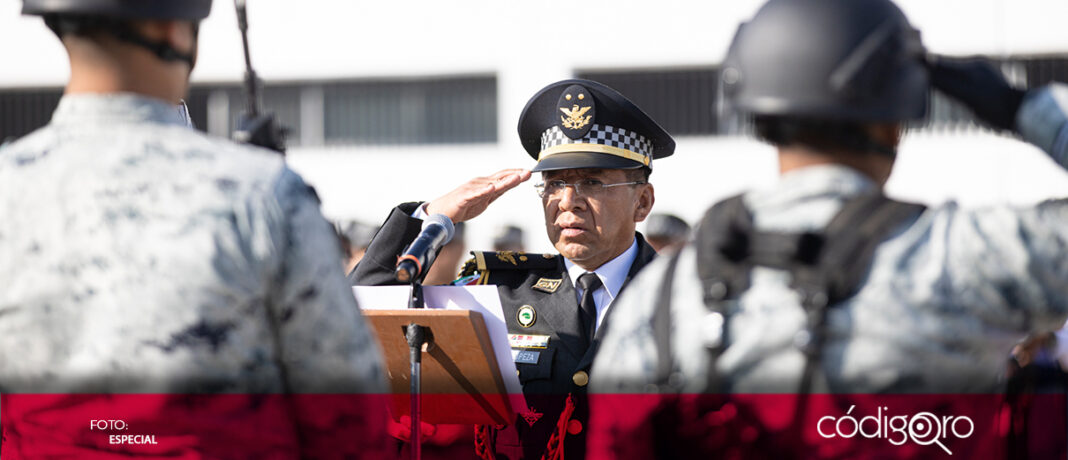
column 923, row 428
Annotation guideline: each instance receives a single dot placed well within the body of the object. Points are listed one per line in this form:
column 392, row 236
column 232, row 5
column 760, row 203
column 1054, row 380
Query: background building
column 397, row 101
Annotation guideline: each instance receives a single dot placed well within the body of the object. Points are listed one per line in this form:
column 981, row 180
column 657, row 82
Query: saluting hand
column 471, row 199
column 978, row 85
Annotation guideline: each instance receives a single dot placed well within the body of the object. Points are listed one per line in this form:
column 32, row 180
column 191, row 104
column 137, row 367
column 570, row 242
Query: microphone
column 437, row 232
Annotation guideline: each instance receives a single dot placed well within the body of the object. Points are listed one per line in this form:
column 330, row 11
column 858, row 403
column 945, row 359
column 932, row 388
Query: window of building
column 438, row 110
column 682, row 101
column 421, row 111
column 24, row 110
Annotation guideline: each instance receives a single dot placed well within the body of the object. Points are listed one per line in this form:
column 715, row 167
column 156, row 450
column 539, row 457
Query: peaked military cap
column 584, row 124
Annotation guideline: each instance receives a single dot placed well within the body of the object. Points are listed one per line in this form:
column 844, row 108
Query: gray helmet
column 190, row 10
column 508, row 236
column 78, row 16
column 359, row 234
column 666, row 226
column 854, row 60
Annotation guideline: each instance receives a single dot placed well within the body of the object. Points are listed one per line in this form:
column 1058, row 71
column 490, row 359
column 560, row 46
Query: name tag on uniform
column 548, row 285
column 528, row 341
column 525, row 356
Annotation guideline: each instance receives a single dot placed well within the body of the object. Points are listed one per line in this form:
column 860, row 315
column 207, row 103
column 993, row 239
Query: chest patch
column 526, row 316
column 528, row 341
column 548, row 285
column 525, row 356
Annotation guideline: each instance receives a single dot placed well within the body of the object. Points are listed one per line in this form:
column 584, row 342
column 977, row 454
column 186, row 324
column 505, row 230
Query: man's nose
column 569, row 198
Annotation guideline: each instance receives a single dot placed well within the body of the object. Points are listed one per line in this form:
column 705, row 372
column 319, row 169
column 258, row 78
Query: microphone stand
column 417, row 336
column 409, row 270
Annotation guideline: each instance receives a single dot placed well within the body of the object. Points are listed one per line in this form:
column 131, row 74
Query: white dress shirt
column 612, row 274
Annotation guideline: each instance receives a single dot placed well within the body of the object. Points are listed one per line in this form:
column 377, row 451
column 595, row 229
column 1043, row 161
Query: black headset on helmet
column 75, row 16
column 834, row 62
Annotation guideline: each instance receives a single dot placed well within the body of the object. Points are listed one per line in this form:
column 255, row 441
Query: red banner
column 622, row 426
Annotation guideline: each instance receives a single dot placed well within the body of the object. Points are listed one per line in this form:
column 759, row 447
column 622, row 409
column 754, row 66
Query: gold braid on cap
column 600, row 139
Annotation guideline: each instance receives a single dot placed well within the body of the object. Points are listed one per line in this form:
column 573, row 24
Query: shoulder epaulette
column 510, row 260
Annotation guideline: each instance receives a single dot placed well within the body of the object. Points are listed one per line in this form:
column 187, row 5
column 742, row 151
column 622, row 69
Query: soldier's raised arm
column 1038, row 115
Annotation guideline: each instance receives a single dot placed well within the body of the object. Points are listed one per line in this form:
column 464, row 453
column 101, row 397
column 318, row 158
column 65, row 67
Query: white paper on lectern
column 483, row 299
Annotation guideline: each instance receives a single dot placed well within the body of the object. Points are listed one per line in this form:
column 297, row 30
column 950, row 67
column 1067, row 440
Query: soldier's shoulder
column 483, row 261
column 27, row 149
column 227, row 161
column 226, row 149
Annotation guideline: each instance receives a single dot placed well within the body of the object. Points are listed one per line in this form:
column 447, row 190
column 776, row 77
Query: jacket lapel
column 560, row 310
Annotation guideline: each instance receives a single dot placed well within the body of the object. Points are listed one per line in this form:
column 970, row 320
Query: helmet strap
column 833, row 135
column 80, row 24
column 161, row 49
column 866, row 144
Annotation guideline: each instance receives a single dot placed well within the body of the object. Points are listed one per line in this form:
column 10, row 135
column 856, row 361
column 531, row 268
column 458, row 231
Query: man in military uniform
column 184, row 284
column 594, row 150
column 821, row 285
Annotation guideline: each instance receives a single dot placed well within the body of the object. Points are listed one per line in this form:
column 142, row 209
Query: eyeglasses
column 585, row 187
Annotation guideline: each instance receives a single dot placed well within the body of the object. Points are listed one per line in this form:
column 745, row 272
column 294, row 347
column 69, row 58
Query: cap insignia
column 578, row 110
column 574, row 118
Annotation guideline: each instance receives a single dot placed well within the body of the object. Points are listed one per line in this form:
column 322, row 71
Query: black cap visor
column 584, row 160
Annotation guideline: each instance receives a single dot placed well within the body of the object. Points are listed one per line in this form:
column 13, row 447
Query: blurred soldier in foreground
column 594, row 150
column 355, row 236
column 822, row 285
column 666, row 232
column 508, row 238
column 182, row 284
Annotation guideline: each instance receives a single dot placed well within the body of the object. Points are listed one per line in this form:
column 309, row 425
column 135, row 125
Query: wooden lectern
column 461, row 381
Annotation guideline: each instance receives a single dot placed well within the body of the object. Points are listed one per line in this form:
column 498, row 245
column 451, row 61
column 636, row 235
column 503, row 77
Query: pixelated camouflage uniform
column 946, row 298
column 140, row 256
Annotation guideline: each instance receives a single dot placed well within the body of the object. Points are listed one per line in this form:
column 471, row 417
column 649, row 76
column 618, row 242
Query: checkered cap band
column 601, row 134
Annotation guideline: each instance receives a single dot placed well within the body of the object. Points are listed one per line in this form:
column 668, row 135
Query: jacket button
column 574, row 427
column 581, row 378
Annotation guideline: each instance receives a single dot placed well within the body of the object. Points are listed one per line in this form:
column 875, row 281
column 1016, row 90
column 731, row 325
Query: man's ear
column 888, row 134
column 180, row 35
column 646, row 198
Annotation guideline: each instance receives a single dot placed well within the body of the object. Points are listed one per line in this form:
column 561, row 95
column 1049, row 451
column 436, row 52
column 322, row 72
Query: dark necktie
column 589, row 282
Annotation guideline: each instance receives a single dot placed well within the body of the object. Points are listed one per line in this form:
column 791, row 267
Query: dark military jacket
column 537, row 282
